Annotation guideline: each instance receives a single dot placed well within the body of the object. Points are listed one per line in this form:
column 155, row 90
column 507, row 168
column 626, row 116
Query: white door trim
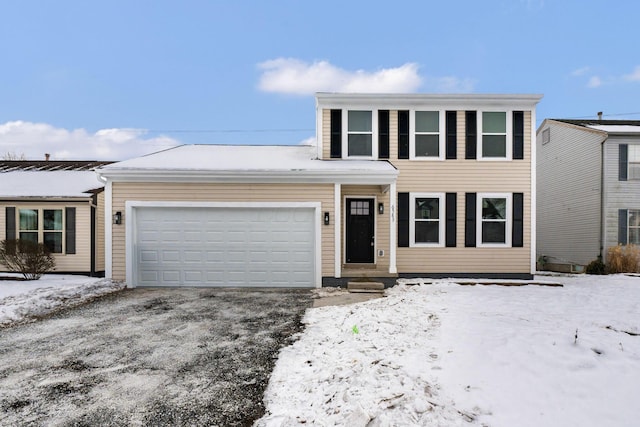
column 132, row 205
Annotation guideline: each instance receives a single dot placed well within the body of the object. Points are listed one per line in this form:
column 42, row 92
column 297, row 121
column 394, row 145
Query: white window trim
column 41, row 229
column 629, row 227
column 508, row 138
column 508, row 221
column 374, row 134
column 442, row 122
column 629, row 162
column 412, row 219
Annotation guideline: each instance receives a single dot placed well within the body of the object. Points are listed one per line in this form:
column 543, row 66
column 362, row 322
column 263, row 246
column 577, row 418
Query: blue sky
column 116, row 79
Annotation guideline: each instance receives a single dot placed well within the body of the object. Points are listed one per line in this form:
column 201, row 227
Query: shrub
column 30, row 259
column 595, row 267
column 623, row 259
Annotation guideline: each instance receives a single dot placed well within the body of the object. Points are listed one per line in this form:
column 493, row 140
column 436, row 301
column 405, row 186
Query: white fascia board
column 369, row 177
column 448, row 101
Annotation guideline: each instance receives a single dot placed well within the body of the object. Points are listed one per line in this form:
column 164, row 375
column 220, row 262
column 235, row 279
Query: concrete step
column 360, row 286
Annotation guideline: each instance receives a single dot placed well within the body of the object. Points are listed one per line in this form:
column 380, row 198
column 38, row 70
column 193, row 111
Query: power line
column 228, row 130
column 589, row 116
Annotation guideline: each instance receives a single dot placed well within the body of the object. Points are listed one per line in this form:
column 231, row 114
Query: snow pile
column 21, row 300
column 444, row 354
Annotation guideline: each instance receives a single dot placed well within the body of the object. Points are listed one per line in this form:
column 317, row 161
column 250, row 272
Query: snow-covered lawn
column 22, row 300
column 444, row 354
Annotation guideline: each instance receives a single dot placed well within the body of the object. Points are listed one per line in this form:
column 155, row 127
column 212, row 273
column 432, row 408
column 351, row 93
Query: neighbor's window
column 42, row 226
column 427, row 134
column 427, row 219
column 360, row 133
column 495, row 219
column 494, row 134
column 634, row 227
column 634, row 161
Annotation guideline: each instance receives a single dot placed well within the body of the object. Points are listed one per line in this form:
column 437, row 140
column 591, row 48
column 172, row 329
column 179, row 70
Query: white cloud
column 594, row 82
column 35, row 139
column 580, row 71
column 292, row 76
column 634, row 76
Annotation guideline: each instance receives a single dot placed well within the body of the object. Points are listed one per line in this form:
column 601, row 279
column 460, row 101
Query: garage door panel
column 225, row 246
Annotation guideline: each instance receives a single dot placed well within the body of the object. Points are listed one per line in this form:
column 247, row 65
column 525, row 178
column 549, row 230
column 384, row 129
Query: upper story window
column 493, row 142
column 360, row 133
column 42, row 226
column 427, row 135
column 634, row 162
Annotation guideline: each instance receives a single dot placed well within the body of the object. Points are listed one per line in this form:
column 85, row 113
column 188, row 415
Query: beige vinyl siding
column 617, row 194
column 459, row 176
column 216, row 192
column 80, row 262
column 468, row 260
column 568, row 183
column 381, row 221
column 462, row 176
column 100, row 265
column 326, row 134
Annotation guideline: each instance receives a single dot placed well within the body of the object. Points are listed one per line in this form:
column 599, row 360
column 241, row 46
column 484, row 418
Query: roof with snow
column 50, row 165
column 609, row 126
column 48, row 184
column 238, row 161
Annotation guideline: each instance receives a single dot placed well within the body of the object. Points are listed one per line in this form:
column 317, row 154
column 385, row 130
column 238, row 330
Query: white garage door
column 205, row 246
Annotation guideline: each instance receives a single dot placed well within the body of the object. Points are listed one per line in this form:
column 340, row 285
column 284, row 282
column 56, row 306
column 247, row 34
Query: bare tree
column 12, row 155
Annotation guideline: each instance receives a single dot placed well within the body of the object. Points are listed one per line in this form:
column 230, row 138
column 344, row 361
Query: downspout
column 93, row 204
column 601, row 243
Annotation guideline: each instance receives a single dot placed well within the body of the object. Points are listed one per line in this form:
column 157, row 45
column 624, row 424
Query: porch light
column 380, row 208
column 326, row 218
column 117, row 218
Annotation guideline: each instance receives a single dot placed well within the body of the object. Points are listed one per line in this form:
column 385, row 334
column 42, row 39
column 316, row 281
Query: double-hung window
column 634, row 227
column 634, row 161
column 427, row 135
column 426, row 219
column 495, row 131
column 360, row 125
column 42, row 226
column 494, row 212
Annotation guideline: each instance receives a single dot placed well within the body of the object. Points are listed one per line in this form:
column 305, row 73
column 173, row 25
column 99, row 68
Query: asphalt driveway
column 149, row 357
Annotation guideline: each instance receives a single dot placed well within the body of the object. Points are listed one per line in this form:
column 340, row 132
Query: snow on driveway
column 443, row 354
column 21, row 300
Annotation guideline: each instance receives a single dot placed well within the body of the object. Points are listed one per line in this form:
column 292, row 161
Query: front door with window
column 359, row 231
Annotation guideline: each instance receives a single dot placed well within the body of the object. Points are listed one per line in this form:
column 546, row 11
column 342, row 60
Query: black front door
column 359, row 231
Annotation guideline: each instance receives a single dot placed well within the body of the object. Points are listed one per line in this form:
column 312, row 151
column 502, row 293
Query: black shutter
column 623, row 157
column 452, row 134
column 10, row 223
column 403, row 134
column 336, row 134
column 403, row 220
column 517, row 238
column 450, row 226
column 470, row 220
column 622, row 226
column 70, row 230
column 471, row 134
column 383, row 134
column 518, row 135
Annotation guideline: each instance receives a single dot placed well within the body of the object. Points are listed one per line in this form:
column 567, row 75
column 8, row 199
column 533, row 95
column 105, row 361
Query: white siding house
column 588, row 190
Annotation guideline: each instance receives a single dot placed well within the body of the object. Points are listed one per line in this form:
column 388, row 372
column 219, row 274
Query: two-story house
column 398, row 186
column 588, row 189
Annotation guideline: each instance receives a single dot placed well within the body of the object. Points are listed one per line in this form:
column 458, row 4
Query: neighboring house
column 398, row 186
column 59, row 204
column 588, row 189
